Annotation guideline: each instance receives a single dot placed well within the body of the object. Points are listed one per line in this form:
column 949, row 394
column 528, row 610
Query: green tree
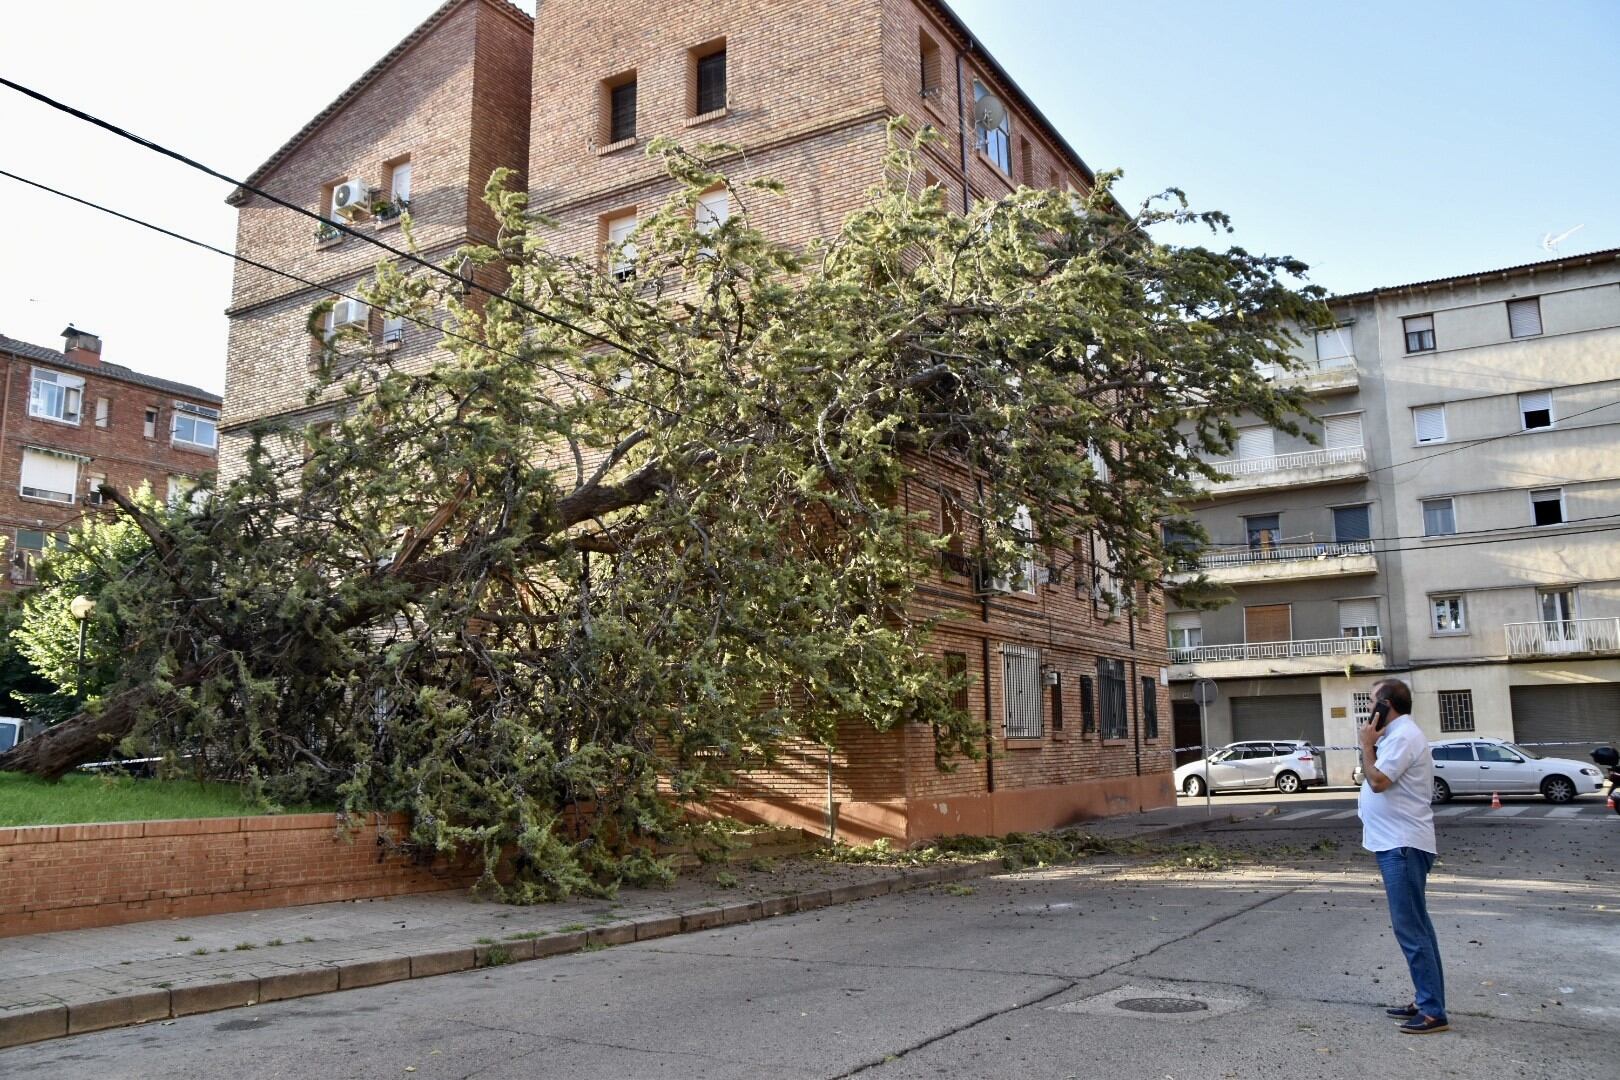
column 638, row 528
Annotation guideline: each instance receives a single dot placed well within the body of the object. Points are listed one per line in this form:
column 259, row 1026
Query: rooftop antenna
column 1551, row 242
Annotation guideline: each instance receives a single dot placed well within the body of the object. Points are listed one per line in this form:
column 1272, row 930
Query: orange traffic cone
column 1496, row 801
column 1609, row 803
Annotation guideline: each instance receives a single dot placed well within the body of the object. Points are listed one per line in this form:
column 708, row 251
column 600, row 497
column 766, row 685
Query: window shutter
column 1524, row 317
column 49, row 476
column 1429, row 422
column 713, row 210
column 1352, row 523
column 1535, row 409
column 1358, row 614
column 1185, row 620
column 1333, row 344
column 1256, row 442
column 1343, row 431
column 1272, row 622
column 1021, row 692
column 1419, row 323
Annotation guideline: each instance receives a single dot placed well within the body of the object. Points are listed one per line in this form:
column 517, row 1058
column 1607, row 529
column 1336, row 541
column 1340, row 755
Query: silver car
column 1483, row 766
column 1289, row 766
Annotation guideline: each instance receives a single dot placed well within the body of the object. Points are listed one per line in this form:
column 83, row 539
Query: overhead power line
column 330, row 290
column 401, row 253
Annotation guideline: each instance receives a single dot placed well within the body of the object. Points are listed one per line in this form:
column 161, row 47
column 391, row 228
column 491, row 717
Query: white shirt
column 1401, row 814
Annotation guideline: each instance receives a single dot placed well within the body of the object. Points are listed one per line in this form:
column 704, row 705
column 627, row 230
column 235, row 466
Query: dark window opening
column 711, row 82
column 622, row 112
column 1057, row 701
column 956, row 667
column 1088, row 708
column 1111, row 681
column 1150, row 708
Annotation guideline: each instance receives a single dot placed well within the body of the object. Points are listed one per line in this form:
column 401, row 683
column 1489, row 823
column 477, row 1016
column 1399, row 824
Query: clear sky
column 1381, row 142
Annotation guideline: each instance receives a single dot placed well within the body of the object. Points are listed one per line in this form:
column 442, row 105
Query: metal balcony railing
column 1259, row 466
column 1309, row 368
column 1279, row 650
column 1559, row 637
column 1213, row 560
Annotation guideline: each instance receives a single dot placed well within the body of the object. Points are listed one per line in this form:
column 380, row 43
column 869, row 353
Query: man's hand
column 1367, row 735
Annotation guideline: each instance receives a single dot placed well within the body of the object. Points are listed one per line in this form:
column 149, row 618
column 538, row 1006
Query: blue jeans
column 1406, row 873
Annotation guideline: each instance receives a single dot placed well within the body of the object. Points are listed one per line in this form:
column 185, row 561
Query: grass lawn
column 80, row 797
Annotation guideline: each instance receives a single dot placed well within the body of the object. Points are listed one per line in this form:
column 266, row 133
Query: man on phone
column 1397, row 825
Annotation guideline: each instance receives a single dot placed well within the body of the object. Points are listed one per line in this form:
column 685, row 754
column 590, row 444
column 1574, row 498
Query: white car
column 1287, row 765
column 11, row 732
column 1484, row 766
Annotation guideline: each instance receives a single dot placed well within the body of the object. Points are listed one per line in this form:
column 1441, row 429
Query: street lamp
column 82, row 607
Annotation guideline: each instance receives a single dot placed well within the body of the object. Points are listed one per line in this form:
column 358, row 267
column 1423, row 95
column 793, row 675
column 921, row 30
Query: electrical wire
column 465, row 282
column 561, row 373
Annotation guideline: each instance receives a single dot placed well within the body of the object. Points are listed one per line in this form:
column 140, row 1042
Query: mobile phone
column 1380, row 714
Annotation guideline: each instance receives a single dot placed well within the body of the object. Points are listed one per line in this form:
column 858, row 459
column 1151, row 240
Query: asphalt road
column 1281, row 952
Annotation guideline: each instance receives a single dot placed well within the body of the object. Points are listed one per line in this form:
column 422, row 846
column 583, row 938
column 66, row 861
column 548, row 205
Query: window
column 1419, row 333
column 1465, row 752
column 995, row 140
column 1524, row 320
column 1268, row 622
column 1341, row 432
column 103, row 412
column 1361, row 706
column 1557, row 614
column 1456, row 710
column 393, row 330
column 1547, row 506
column 1021, row 691
column 1186, row 629
column 92, row 488
column 1057, row 701
column 1352, row 523
column 1026, row 162
column 1499, row 755
column 712, row 211
column 399, row 182
column 1088, row 706
column 954, row 558
column 621, row 101
column 928, row 59
column 1111, row 681
column 55, row 396
column 1264, row 530
column 186, row 489
column 151, row 422
column 956, row 668
column 620, row 247
column 1358, row 618
column 1446, row 615
column 1256, row 442
column 30, row 549
column 1150, row 708
column 195, row 426
column 1439, row 517
column 1429, row 423
column 1333, row 347
column 1024, row 530
column 711, row 80
column 49, row 475
column 1535, row 410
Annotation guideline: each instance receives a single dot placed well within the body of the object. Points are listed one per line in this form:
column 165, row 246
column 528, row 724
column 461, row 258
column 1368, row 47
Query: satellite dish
column 989, row 112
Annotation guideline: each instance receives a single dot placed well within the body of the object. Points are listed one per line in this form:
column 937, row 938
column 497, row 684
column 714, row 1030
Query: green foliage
column 589, row 564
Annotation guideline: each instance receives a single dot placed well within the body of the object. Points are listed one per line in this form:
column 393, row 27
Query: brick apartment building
column 1071, row 694
column 70, row 421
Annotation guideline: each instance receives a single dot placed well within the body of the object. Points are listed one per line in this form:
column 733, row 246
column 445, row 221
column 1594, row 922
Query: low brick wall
column 64, row 877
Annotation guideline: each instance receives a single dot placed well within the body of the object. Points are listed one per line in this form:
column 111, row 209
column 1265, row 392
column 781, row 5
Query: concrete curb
column 145, row 1005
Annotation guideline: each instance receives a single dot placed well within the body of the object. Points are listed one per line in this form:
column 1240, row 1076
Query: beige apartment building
column 1456, row 524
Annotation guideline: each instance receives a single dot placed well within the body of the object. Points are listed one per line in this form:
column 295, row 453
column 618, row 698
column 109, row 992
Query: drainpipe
column 984, row 650
column 1136, row 684
column 832, row 807
column 961, row 134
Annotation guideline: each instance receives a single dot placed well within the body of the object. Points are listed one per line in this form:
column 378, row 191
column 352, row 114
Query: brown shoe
column 1425, row 1025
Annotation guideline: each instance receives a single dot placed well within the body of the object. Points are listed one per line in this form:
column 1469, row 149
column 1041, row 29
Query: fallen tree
column 637, row 526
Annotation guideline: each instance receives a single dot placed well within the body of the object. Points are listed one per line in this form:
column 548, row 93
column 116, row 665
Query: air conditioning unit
column 351, row 198
column 986, row 583
column 349, row 313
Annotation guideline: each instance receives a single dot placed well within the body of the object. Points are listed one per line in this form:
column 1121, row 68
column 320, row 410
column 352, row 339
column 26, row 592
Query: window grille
column 711, row 82
column 1456, row 710
column 1021, row 691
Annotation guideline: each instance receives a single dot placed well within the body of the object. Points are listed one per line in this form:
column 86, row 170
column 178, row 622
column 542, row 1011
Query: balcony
column 1318, row 377
column 1308, row 468
column 1285, row 562
column 1562, row 637
column 1258, row 659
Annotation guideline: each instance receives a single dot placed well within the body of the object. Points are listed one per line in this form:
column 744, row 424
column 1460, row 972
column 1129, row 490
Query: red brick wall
column 64, row 877
column 120, row 451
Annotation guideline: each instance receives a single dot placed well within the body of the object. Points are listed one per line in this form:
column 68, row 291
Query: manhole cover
column 1161, row 1005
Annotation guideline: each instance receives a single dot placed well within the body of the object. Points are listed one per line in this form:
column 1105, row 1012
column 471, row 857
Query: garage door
column 1283, row 716
column 1580, row 717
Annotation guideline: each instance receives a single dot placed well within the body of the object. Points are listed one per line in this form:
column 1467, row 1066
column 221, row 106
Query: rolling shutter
column 713, row 210
column 1429, row 423
column 1273, row 622
column 1358, row 618
column 1256, row 442
column 1343, row 430
column 1524, row 317
column 1333, row 346
column 1280, row 716
column 1580, row 718
column 49, row 476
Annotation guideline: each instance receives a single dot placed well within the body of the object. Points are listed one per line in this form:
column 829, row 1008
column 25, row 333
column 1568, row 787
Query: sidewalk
column 84, row 980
